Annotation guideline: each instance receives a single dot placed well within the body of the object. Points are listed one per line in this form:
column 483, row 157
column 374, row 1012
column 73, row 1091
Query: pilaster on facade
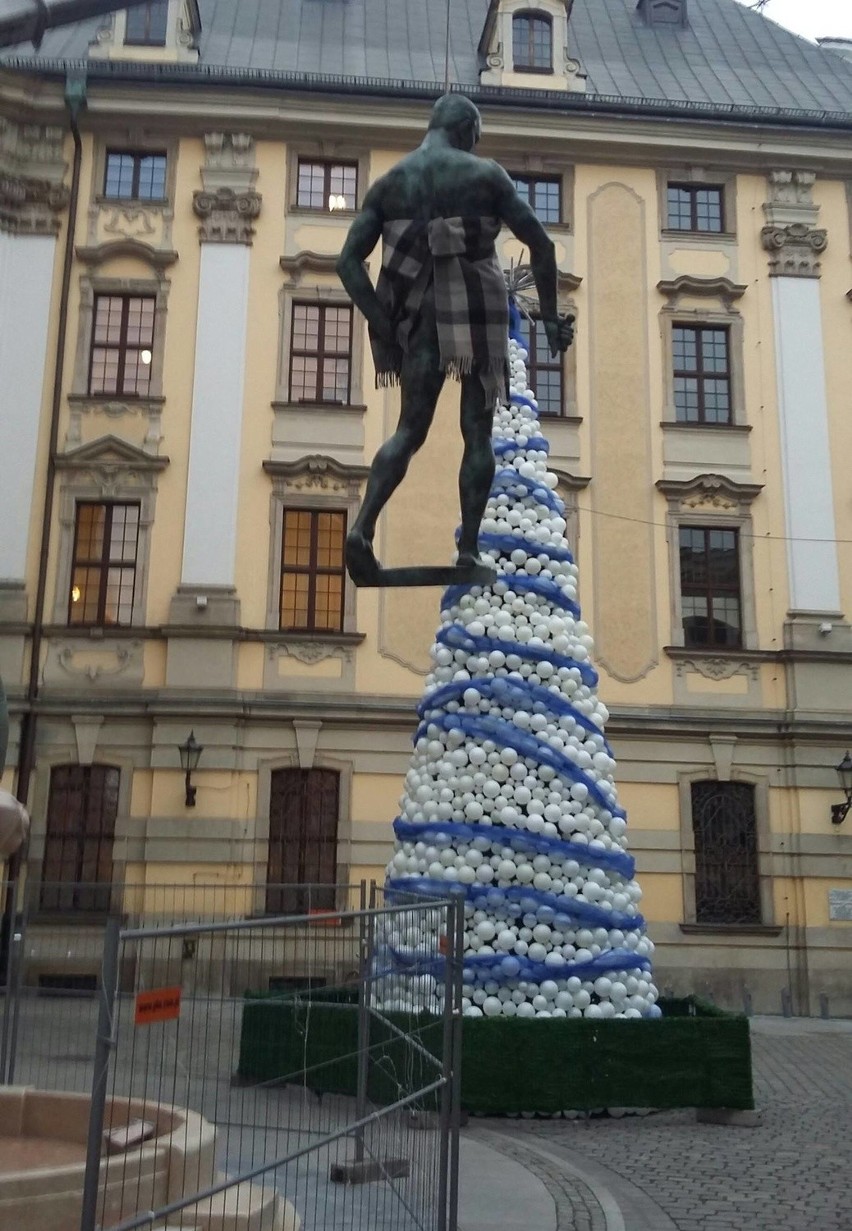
column 791, row 236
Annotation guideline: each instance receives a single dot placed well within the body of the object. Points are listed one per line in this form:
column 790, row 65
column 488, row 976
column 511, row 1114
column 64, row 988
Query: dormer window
column 532, row 43
column 147, row 24
column 663, row 12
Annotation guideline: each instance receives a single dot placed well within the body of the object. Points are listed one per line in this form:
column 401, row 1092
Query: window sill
column 297, row 634
column 679, row 425
column 319, row 211
column 531, row 68
column 142, row 401
column 348, row 408
column 724, row 652
column 731, row 929
column 146, row 202
column 721, row 237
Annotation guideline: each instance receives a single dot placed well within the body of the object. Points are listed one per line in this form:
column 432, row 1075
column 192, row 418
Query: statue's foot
column 361, row 563
column 469, row 560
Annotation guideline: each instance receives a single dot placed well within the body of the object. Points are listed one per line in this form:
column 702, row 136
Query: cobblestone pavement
column 666, row 1172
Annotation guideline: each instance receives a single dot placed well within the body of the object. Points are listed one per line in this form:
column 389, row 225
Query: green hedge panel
column 694, row 1056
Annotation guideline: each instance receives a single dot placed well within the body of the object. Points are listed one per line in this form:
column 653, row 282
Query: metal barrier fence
column 50, row 964
column 283, row 1150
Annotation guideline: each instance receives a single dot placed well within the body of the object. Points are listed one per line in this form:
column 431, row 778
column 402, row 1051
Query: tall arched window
column 727, row 884
column 301, row 870
column 76, row 872
column 532, row 42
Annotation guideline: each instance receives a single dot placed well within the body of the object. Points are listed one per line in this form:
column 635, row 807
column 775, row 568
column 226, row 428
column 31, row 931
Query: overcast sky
column 812, row 18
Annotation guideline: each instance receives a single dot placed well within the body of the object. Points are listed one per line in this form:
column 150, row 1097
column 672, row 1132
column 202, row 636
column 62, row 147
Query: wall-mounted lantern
column 190, row 754
column 844, row 773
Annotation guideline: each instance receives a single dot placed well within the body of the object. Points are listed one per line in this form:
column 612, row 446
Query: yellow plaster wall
column 375, row 797
column 662, row 897
column 649, row 805
column 224, row 794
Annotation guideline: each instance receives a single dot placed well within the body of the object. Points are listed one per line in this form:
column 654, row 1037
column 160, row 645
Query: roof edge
column 510, row 96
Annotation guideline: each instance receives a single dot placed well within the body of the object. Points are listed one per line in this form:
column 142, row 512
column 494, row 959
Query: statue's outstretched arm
column 363, row 236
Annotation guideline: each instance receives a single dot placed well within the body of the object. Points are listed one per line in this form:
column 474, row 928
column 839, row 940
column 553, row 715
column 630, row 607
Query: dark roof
column 728, row 57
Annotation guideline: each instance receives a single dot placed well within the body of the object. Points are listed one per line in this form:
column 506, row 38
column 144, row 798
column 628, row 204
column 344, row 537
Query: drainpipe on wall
column 75, row 99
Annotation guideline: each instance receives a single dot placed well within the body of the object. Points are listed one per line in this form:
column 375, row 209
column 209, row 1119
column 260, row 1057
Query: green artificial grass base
column 694, row 1056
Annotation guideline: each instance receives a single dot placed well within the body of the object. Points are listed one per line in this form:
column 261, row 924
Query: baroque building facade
column 189, row 411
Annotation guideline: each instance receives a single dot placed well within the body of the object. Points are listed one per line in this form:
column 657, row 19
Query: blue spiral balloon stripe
column 509, row 690
column 456, row 637
column 479, row 969
column 505, row 444
column 521, row 840
column 507, row 735
column 520, row 899
column 507, row 543
column 549, row 590
column 508, row 476
column 521, row 399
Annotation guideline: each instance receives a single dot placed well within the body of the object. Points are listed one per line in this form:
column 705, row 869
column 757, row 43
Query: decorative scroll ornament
column 30, row 206
column 794, row 250
column 226, row 216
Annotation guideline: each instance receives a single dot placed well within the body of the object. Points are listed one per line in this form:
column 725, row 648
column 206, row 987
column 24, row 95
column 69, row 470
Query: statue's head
column 459, row 119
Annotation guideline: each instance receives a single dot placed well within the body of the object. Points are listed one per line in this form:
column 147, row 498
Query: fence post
column 7, row 1052
column 103, row 1048
column 455, row 1109
column 365, row 941
column 15, row 988
column 447, row 1065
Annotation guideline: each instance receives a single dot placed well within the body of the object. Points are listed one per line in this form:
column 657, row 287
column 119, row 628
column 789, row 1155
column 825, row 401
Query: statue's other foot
column 469, row 559
column 361, row 563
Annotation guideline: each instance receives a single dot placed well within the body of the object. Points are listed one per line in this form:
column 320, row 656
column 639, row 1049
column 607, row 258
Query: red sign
column 160, row 1005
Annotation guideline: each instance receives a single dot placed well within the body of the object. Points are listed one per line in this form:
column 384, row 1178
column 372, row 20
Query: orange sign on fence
column 160, row 1005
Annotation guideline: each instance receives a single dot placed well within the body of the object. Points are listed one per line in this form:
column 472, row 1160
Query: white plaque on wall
column 840, row 904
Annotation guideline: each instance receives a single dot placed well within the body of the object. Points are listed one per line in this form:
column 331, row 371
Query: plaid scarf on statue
column 456, row 257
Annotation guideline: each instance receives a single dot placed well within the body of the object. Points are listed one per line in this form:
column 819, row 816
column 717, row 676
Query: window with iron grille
column 103, row 569
column 327, row 185
column 701, row 371
column 320, row 353
column 134, row 176
column 710, row 595
column 147, row 24
column 76, row 870
column 312, row 570
column 122, row 345
column 727, row 883
column 545, row 372
column 301, row 870
column 543, row 194
column 696, row 207
column 532, row 43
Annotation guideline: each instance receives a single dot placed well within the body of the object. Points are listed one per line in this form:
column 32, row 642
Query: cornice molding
column 307, row 262
column 715, row 288
column 109, row 451
column 96, row 254
column 572, row 482
column 714, row 490
column 319, row 464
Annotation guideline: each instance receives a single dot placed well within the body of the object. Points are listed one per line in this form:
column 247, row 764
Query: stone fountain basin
column 43, row 1159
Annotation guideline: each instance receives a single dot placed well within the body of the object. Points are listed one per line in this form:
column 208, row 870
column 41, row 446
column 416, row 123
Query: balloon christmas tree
column 510, row 798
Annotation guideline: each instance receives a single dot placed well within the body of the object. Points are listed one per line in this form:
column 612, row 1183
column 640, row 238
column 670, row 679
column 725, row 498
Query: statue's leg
column 477, row 468
column 421, row 381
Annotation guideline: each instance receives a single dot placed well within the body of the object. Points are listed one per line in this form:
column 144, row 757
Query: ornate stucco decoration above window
column 32, row 170
column 791, row 236
column 228, row 204
column 496, row 57
column 317, row 473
